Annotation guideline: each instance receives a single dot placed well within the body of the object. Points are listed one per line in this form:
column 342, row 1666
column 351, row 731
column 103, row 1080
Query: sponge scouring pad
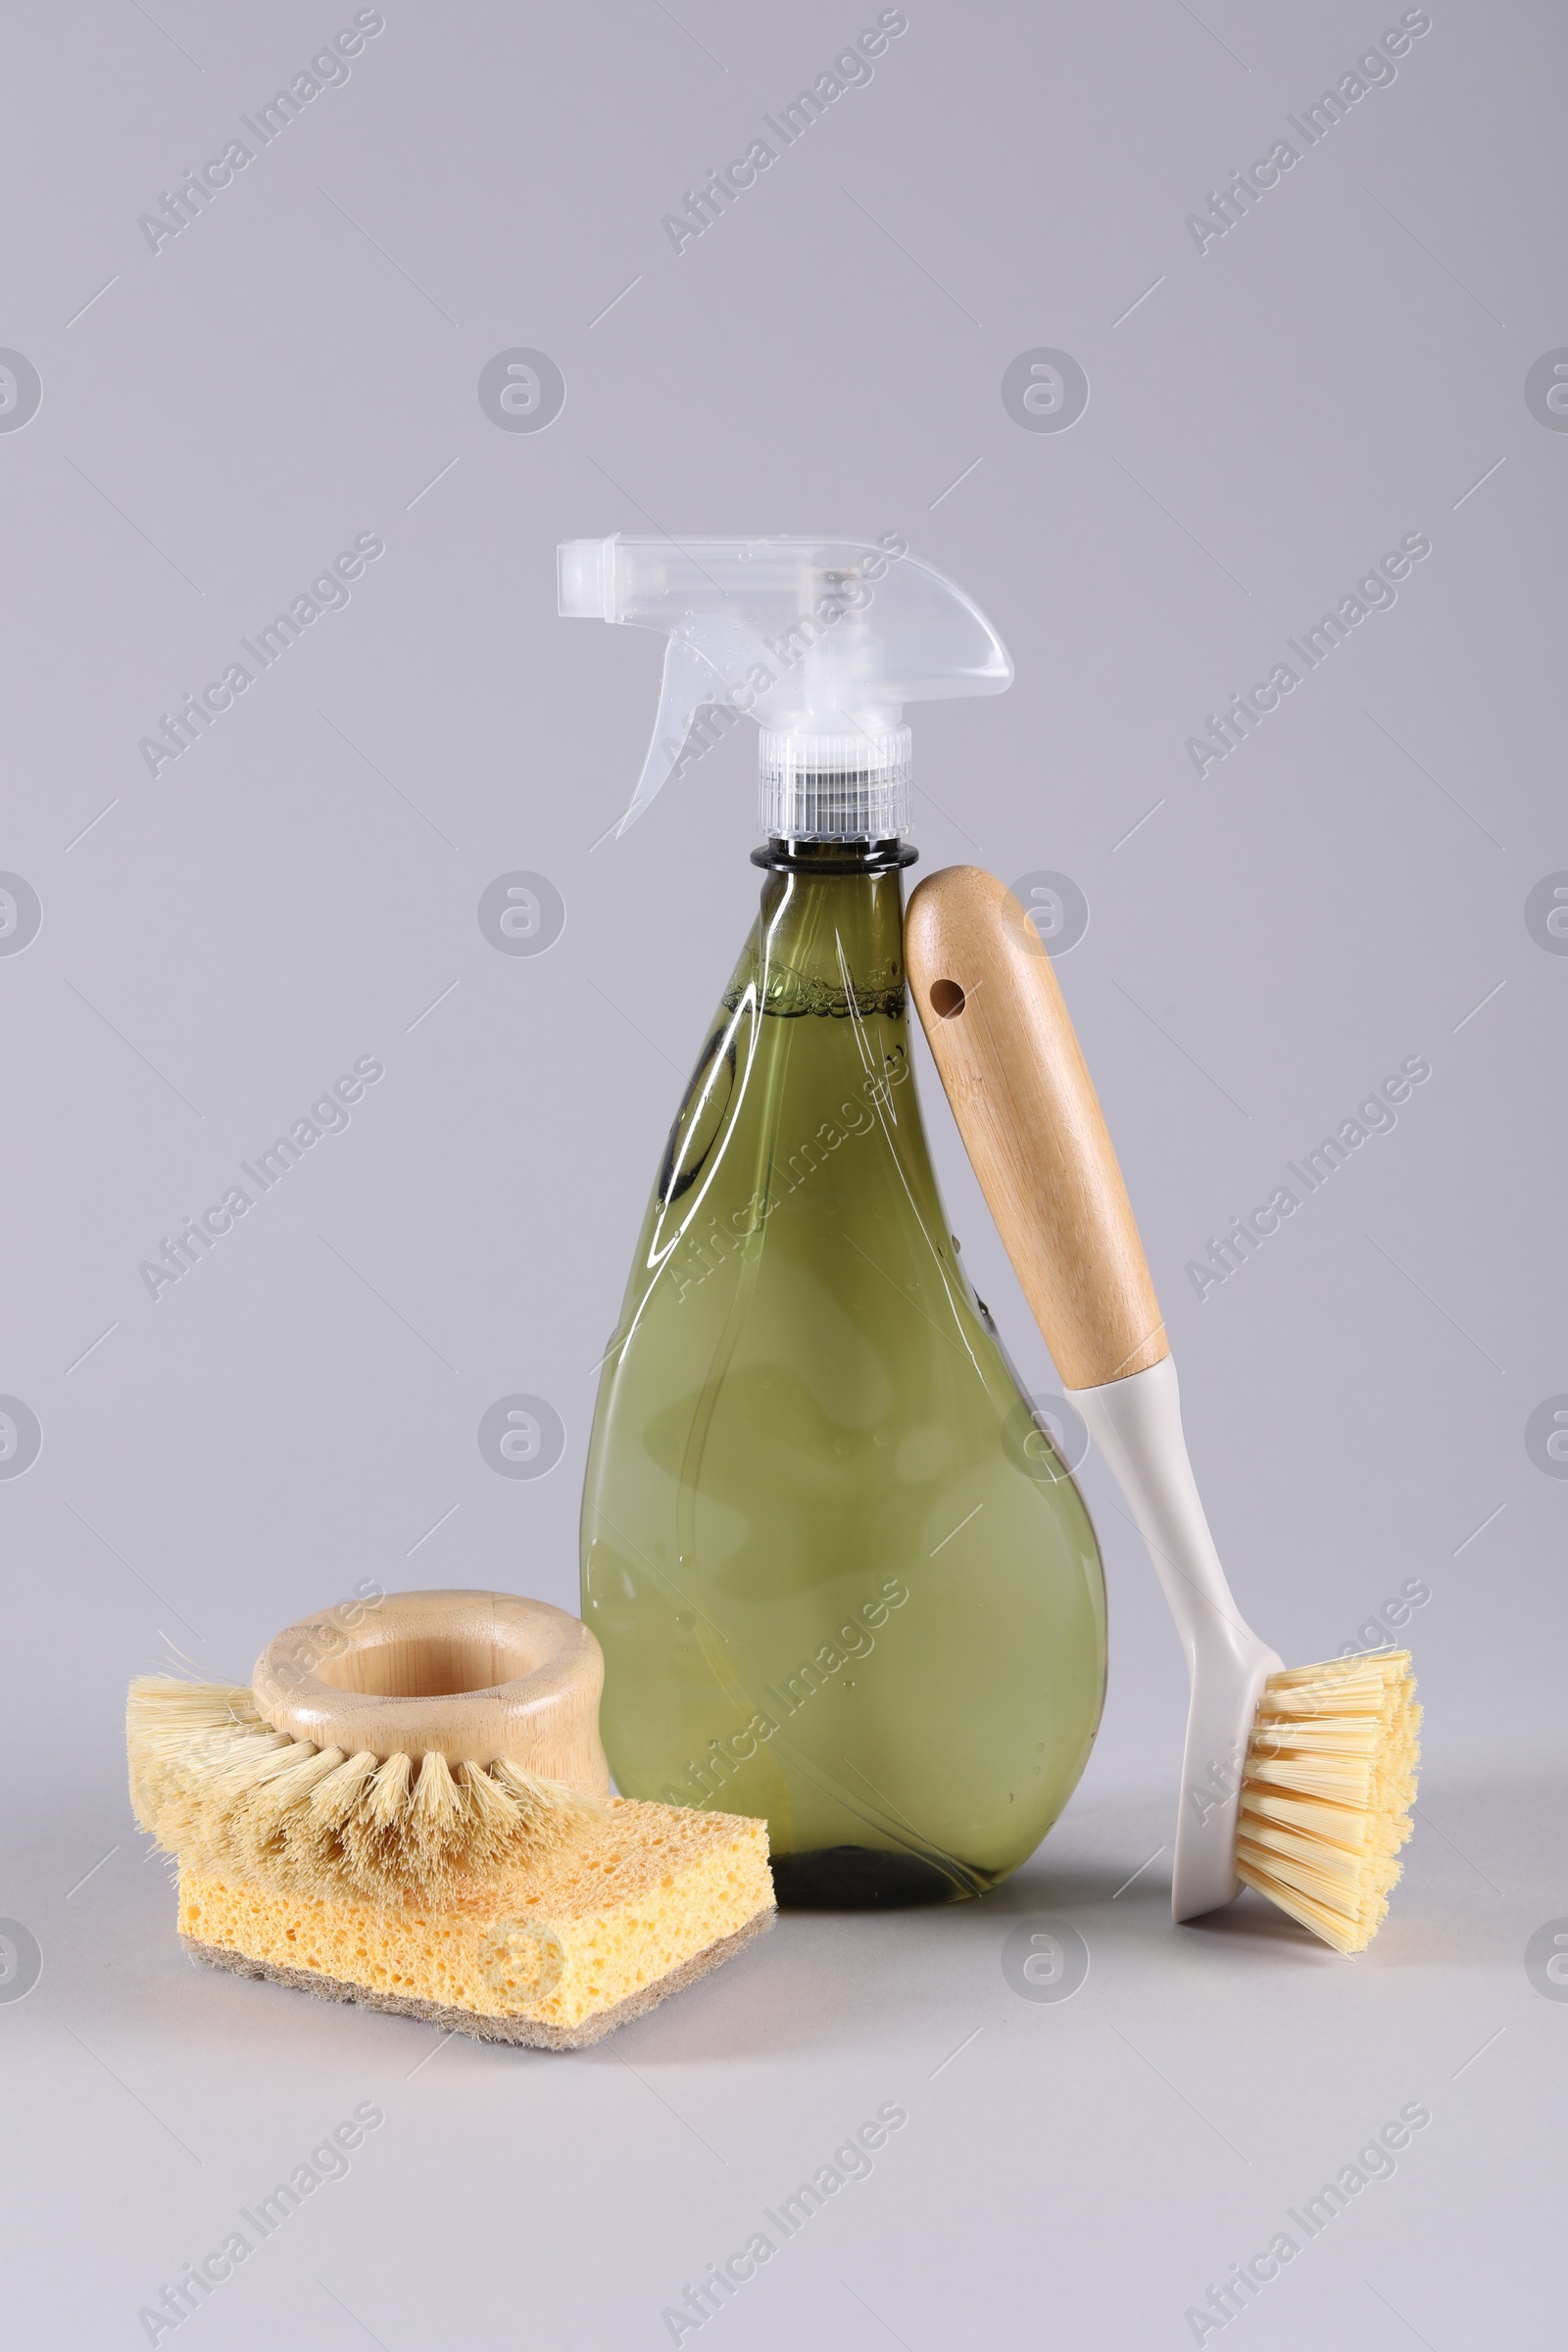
column 556, row 1953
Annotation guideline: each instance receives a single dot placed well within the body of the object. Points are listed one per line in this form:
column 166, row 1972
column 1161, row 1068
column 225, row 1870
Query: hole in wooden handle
column 947, row 999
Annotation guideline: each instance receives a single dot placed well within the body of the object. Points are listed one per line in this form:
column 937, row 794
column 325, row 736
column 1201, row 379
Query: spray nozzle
column 821, row 641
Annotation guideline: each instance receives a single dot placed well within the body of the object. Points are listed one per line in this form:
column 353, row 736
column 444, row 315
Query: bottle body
column 839, row 1576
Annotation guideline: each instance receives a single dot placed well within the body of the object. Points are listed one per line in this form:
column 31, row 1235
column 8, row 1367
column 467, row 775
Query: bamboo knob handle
column 473, row 1676
column 1031, row 1122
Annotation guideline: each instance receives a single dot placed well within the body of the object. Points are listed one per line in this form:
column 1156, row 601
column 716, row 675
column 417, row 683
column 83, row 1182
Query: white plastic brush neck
column 1137, row 1424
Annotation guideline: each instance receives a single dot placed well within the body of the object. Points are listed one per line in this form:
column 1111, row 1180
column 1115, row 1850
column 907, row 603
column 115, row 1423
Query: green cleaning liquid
column 840, row 1576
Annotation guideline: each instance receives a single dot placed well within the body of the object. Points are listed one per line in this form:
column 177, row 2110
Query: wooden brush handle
column 471, row 1675
column 1015, row 1076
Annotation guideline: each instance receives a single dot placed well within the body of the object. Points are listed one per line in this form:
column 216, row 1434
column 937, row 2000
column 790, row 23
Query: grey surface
column 302, row 887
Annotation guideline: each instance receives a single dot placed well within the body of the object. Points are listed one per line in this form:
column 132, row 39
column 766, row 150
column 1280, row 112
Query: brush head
column 1326, row 1793
column 233, row 1798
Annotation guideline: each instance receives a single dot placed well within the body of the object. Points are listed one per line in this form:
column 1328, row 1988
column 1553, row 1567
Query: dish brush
column 1300, row 1781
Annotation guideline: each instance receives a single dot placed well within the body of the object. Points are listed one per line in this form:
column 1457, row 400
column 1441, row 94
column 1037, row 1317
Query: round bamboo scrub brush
column 443, row 1739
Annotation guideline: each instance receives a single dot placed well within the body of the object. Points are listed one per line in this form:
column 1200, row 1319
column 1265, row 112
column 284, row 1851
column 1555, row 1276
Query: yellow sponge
column 555, row 1951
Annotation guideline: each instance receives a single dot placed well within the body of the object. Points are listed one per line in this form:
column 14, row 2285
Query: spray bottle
column 840, row 1574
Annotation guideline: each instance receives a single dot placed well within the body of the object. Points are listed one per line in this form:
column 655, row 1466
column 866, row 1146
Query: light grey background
column 301, row 888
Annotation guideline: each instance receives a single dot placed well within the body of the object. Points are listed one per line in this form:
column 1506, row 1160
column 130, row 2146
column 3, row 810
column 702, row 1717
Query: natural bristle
column 215, row 1783
column 1326, row 1793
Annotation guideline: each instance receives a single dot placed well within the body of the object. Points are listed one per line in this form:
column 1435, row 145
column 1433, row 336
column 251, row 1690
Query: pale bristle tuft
column 216, row 1786
column 1326, row 1793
